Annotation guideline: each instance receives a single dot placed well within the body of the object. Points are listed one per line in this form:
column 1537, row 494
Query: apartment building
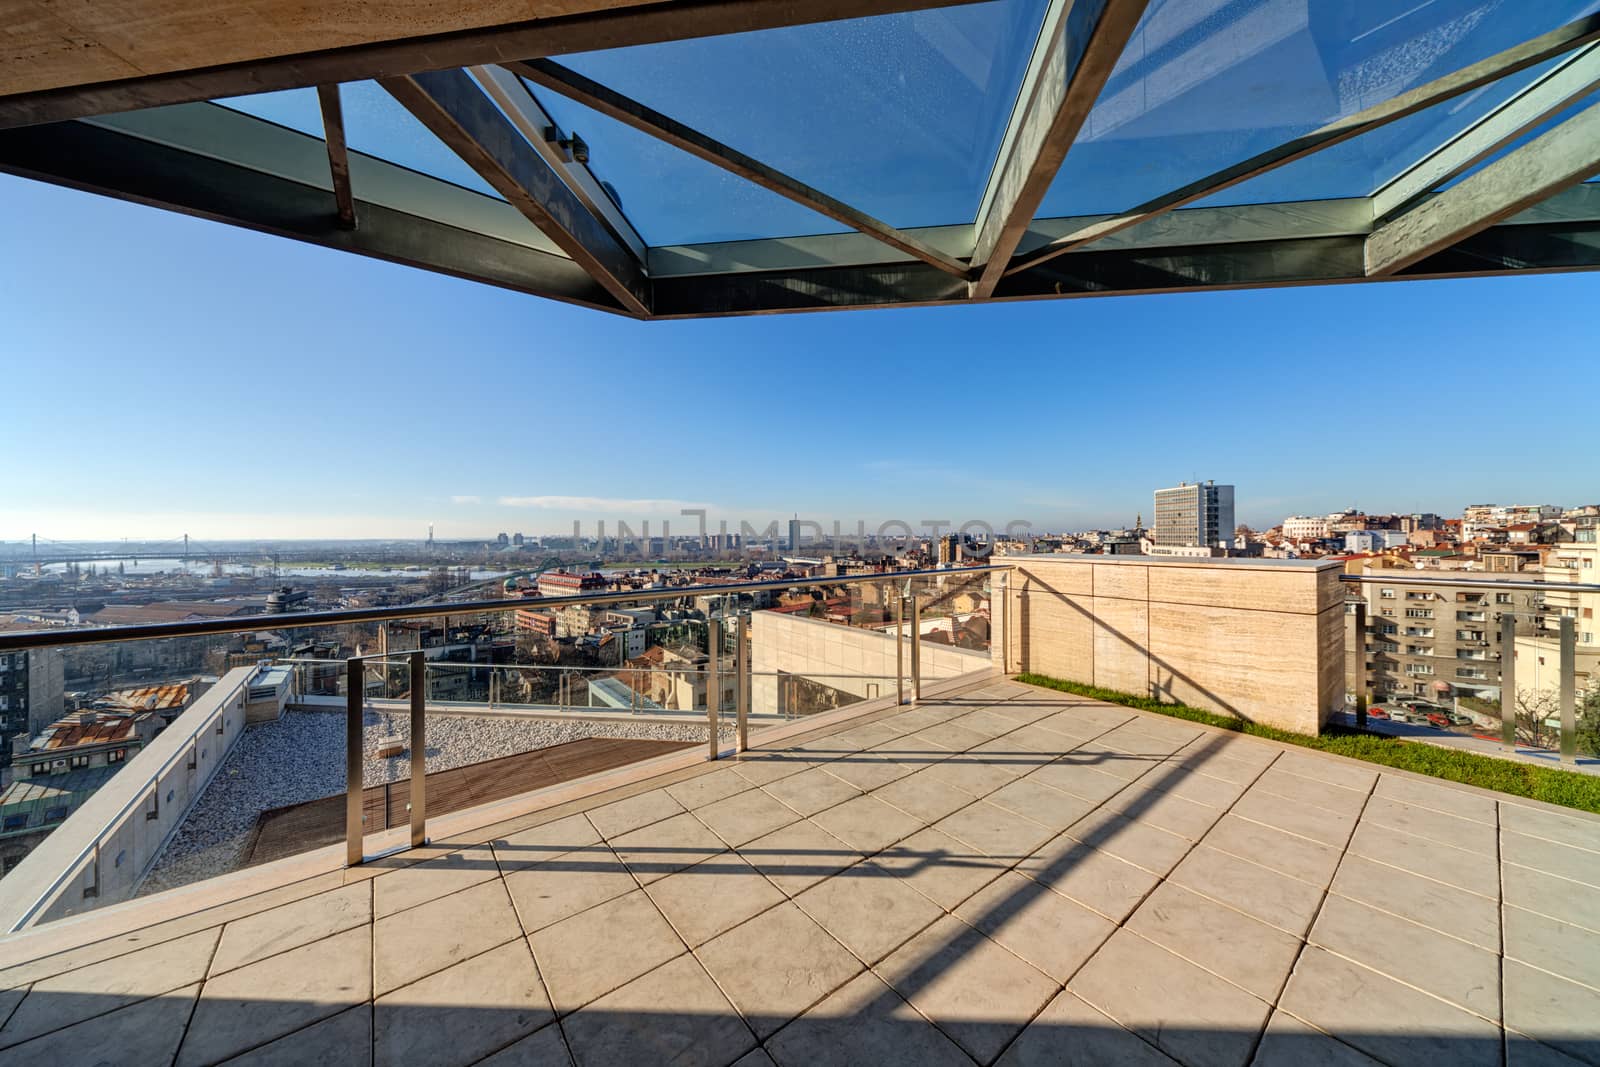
column 1423, row 641
column 1197, row 514
column 31, row 695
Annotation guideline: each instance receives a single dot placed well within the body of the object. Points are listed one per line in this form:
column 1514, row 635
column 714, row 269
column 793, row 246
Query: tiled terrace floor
column 1006, row 875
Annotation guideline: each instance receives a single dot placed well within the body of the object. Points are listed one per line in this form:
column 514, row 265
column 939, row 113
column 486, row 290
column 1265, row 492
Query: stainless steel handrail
column 1410, row 578
column 66, row 637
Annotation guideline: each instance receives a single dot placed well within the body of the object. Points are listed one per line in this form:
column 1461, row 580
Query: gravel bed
column 300, row 757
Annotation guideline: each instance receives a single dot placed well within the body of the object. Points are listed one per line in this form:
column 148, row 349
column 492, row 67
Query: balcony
column 997, row 870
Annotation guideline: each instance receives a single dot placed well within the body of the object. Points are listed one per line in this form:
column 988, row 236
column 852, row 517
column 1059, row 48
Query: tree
column 1589, row 721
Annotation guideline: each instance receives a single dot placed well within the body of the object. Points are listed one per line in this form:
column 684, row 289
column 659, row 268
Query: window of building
column 116, row 755
column 79, row 761
column 55, row 814
column 1387, row 594
column 15, row 822
column 1419, row 613
column 1502, row 598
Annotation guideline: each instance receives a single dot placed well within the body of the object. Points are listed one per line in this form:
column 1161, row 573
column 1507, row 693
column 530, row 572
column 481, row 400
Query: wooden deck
column 301, row 827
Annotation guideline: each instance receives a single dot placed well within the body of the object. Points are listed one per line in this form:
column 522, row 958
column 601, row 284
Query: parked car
column 1398, row 714
column 1458, row 719
column 1439, row 719
column 1376, row 712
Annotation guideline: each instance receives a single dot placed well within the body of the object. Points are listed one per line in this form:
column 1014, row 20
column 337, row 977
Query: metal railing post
column 916, row 649
column 1569, row 689
column 899, row 650
column 741, row 664
column 1508, row 682
column 713, row 683
column 419, row 749
column 355, row 684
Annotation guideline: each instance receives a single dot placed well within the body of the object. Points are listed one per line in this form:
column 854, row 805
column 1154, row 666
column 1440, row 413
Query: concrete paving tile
column 1552, row 896
column 1153, row 849
column 674, row 1014
column 1107, row 760
column 1044, row 928
column 1245, row 951
column 1555, row 946
column 1387, row 1020
column 1190, row 1014
column 435, row 935
column 948, row 735
column 1036, row 739
column 798, row 856
column 944, row 870
column 870, row 735
column 1346, row 774
column 462, row 1013
column 1289, row 1042
column 1214, row 764
column 1166, row 812
column 986, row 721
column 568, row 884
column 705, row 789
column 975, row 991
column 145, row 1032
column 756, row 1057
column 704, row 900
column 1445, row 908
column 1335, row 798
column 1049, row 807
column 1304, row 820
column 1574, row 830
column 924, row 795
column 279, row 995
column 776, row 966
column 333, row 1042
column 1286, row 853
column 99, row 988
column 1003, row 754
column 1275, row 899
column 864, row 1022
column 655, row 851
column 1563, row 861
column 867, row 824
column 1469, row 834
column 1464, row 803
column 1526, row 1052
column 267, row 933
column 1083, row 723
column 9, row 999
column 868, row 910
column 994, row 830
column 540, row 843
column 1552, row 1010
column 1069, row 1033
column 1078, row 779
column 619, row 817
column 747, row 816
column 546, row 1047
column 1093, row 878
column 762, row 766
column 811, row 791
column 868, row 770
column 430, row 880
column 1471, row 871
column 592, row 953
column 973, row 775
column 1192, row 786
column 1463, row 974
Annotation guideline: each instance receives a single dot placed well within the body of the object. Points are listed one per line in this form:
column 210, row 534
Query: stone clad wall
column 1263, row 640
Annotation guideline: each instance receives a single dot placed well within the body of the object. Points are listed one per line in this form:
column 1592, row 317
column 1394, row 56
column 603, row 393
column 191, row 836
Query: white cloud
column 466, row 500
column 603, row 504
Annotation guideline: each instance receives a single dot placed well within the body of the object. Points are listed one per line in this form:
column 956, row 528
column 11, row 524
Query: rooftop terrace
column 999, row 874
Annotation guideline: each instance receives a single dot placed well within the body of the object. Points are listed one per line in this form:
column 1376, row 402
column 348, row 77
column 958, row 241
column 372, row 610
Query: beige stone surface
column 776, row 966
column 435, row 935
column 462, row 1013
column 868, row 910
column 292, row 925
column 576, row 973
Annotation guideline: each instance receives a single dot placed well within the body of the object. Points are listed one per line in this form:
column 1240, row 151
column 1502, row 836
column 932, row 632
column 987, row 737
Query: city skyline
column 547, row 411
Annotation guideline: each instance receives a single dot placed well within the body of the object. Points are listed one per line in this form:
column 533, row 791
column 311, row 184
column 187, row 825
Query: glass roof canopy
column 963, row 152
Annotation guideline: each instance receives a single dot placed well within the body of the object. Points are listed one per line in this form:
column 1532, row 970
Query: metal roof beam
column 1563, row 157
column 1083, row 41
column 452, row 106
column 1577, row 76
column 1557, row 42
column 338, row 153
column 645, row 119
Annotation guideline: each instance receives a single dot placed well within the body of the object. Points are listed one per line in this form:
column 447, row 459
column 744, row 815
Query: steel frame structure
column 560, row 233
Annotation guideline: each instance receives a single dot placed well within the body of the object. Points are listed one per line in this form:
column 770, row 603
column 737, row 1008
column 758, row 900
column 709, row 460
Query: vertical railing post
column 1508, row 682
column 741, row 664
column 899, row 650
column 355, row 684
column 916, row 649
column 1361, row 665
column 1569, row 689
column 419, row 749
column 713, row 683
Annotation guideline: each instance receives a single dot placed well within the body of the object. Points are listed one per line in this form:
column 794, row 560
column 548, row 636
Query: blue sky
column 166, row 375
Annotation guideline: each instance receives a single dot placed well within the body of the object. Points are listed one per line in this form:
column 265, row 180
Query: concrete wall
column 160, row 780
column 862, row 661
column 1259, row 639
